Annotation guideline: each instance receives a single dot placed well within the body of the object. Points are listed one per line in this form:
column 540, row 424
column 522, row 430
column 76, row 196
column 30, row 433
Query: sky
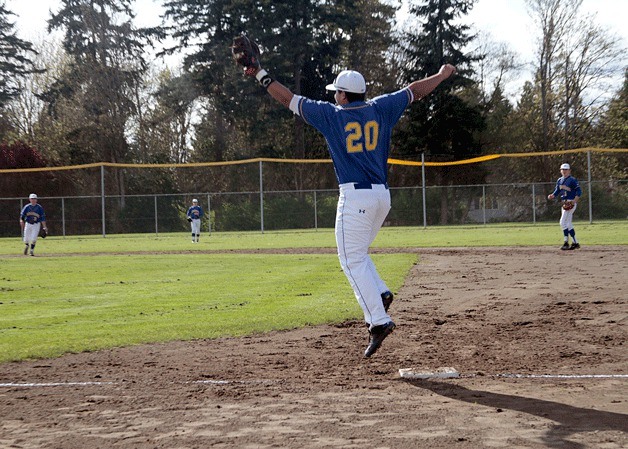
column 505, row 21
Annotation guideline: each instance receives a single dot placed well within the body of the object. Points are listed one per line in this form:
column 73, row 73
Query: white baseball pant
column 359, row 217
column 196, row 226
column 31, row 232
column 566, row 218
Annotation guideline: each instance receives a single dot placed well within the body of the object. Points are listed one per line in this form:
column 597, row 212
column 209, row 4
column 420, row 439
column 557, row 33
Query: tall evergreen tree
column 203, row 31
column 370, row 43
column 107, row 61
column 304, row 43
column 443, row 125
column 15, row 62
column 440, row 125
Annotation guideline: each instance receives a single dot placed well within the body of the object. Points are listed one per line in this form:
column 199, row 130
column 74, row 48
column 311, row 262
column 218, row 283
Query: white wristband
column 261, row 74
column 263, row 78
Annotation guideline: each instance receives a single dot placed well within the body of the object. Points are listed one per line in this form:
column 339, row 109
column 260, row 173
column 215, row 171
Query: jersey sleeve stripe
column 301, row 101
column 410, row 95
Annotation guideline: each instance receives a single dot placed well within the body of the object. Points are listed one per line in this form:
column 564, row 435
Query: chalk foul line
column 406, row 373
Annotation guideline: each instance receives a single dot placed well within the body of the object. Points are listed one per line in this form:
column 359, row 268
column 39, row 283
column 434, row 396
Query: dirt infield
column 502, row 317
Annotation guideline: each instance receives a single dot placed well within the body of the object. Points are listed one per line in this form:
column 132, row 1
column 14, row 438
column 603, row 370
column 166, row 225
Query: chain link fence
column 311, row 209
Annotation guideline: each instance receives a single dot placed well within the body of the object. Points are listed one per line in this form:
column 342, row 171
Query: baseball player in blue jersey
column 569, row 192
column 358, row 135
column 32, row 218
column 195, row 213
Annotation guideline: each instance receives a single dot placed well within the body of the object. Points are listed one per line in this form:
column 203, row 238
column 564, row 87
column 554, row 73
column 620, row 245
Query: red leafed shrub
column 19, row 155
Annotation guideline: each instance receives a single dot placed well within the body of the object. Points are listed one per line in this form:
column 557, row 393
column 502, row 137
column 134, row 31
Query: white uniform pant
column 31, row 232
column 196, row 226
column 566, row 218
column 359, row 217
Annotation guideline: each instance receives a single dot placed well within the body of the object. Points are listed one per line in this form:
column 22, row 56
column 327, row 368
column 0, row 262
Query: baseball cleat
column 574, row 246
column 387, row 299
column 565, row 246
column 26, row 250
column 378, row 334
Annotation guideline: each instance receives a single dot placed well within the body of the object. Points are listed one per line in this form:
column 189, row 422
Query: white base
column 445, row 372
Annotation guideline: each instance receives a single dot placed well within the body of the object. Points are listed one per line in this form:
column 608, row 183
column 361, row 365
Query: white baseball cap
column 195, row 200
column 565, row 167
column 32, row 196
column 349, row 81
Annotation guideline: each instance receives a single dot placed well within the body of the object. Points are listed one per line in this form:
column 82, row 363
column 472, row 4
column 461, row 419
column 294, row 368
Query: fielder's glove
column 190, row 219
column 568, row 205
column 246, row 53
column 43, row 233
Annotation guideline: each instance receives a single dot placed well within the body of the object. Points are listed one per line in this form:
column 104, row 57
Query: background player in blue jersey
column 358, row 135
column 569, row 192
column 195, row 213
column 32, row 218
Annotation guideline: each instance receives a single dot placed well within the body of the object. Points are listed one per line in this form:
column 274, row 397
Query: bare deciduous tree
column 499, row 66
column 26, row 109
column 590, row 57
column 554, row 18
column 575, row 58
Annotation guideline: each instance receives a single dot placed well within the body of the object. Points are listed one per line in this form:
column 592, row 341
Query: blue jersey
column 195, row 212
column 567, row 188
column 358, row 134
column 33, row 214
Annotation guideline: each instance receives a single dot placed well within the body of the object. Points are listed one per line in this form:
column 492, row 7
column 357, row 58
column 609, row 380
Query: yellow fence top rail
column 391, row 161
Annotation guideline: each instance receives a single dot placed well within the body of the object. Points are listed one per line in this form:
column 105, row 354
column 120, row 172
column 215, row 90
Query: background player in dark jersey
column 32, row 218
column 358, row 135
column 194, row 214
column 568, row 190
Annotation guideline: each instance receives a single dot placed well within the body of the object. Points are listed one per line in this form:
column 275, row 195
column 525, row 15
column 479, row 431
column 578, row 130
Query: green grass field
column 90, row 293
column 546, row 234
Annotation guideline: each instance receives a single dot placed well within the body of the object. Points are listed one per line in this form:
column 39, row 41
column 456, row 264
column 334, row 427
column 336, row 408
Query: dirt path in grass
column 503, row 317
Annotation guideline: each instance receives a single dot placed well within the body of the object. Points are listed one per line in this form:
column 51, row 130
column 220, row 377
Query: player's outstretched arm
column 422, row 88
column 276, row 90
column 280, row 93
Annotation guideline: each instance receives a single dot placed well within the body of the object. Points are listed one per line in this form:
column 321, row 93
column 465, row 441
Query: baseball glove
column 43, row 233
column 190, row 219
column 246, row 53
column 568, row 205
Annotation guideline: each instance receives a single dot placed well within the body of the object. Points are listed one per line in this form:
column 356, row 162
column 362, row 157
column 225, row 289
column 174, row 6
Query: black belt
column 365, row 185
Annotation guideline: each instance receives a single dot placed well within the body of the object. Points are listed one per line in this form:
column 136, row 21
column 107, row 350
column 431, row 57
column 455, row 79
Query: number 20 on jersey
column 360, row 137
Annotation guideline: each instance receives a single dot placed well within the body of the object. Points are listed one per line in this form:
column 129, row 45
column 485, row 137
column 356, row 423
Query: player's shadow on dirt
column 569, row 419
